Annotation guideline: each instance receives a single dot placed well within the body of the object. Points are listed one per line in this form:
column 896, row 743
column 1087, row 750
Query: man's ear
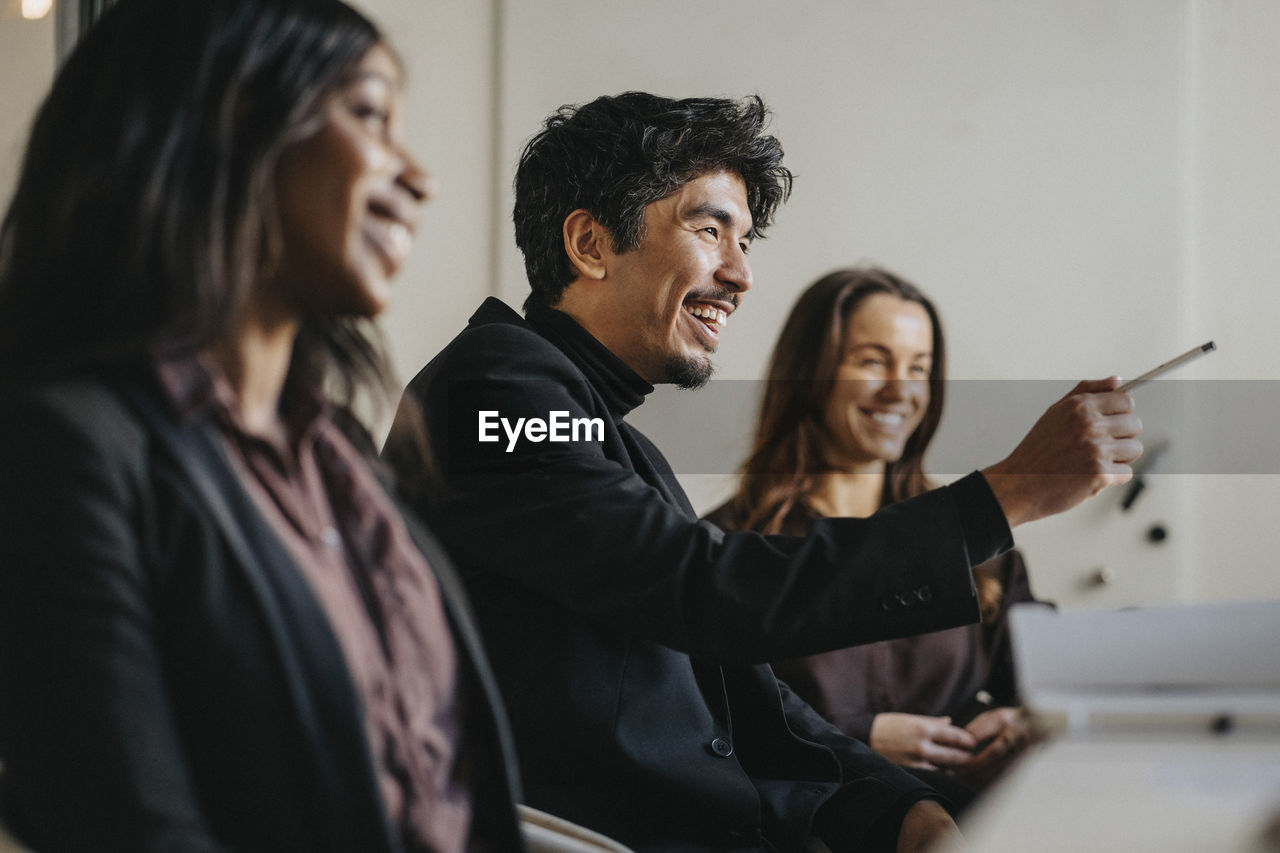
column 587, row 244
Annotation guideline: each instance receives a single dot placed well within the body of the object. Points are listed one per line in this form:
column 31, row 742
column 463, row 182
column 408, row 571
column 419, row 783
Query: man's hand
column 1005, row 732
column 913, row 740
column 927, row 826
column 1083, row 443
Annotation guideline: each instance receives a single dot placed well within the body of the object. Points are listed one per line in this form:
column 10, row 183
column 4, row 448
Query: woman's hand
column 1004, row 733
column 913, row 740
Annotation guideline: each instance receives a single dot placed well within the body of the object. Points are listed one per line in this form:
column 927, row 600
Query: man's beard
column 689, row 374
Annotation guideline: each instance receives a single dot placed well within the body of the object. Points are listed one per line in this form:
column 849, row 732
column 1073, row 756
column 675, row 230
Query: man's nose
column 735, row 270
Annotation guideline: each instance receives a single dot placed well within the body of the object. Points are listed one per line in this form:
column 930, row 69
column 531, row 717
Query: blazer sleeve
column 882, row 790
column 91, row 753
column 572, row 522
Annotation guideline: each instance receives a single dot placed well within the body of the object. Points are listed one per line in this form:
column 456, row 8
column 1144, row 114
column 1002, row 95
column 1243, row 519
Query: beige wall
column 1086, row 187
column 1232, row 252
column 26, row 70
column 449, row 55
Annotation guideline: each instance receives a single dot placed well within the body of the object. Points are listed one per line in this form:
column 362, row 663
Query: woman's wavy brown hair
column 790, row 449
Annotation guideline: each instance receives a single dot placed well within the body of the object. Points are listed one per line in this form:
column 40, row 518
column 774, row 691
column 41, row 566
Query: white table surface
column 1136, row 792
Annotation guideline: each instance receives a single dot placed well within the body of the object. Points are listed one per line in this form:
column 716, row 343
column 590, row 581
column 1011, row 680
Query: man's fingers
column 1115, row 403
column 1096, row 386
column 1126, row 451
column 1127, row 425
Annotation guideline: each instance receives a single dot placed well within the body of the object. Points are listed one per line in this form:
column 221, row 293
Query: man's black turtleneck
column 622, row 388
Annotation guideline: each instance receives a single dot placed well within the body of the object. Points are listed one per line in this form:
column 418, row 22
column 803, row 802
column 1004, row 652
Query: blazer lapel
column 325, row 699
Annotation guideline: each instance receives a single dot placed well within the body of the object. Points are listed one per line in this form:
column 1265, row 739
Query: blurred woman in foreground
column 217, row 630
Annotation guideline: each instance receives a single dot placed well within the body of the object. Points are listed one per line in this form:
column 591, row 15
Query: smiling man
column 629, row 637
column 660, row 306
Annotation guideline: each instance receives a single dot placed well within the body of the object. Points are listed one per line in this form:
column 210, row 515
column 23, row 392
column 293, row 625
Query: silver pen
column 1189, row 355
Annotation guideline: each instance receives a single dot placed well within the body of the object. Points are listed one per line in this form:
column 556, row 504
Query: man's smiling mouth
column 712, row 317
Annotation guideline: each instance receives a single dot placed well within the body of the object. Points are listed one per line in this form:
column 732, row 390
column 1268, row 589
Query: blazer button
column 924, row 594
column 721, row 747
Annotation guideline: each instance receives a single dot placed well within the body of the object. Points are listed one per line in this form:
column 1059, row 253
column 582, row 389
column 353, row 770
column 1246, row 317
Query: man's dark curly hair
column 616, row 155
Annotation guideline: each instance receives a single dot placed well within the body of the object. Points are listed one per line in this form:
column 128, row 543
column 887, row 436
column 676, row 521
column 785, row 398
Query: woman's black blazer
column 167, row 679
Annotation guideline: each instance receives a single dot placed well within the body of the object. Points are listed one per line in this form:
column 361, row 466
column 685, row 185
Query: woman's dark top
column 958, row 672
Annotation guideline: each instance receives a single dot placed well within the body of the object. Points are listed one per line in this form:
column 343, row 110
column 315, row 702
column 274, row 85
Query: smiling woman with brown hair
column 853, row 397
column 217, row 629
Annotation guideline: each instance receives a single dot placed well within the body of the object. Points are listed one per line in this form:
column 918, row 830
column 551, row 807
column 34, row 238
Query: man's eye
column 919, row 370
column 712, row 230
column 745, row 247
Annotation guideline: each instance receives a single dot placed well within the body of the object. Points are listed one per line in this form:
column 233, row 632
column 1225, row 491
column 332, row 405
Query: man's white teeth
column 891, row 419
column 706, row 312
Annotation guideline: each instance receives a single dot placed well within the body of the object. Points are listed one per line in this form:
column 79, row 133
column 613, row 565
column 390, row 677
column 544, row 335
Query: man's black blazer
column 167, row 679
column 628, row 637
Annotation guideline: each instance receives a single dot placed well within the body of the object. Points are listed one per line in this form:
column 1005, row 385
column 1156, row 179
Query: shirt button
column 721, row 747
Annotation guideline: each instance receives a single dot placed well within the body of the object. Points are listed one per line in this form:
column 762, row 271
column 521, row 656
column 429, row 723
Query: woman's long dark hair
column 791, row 444
column 144, row 211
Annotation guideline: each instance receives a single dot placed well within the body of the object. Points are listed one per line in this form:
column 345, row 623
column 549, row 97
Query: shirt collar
column 195, row 385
